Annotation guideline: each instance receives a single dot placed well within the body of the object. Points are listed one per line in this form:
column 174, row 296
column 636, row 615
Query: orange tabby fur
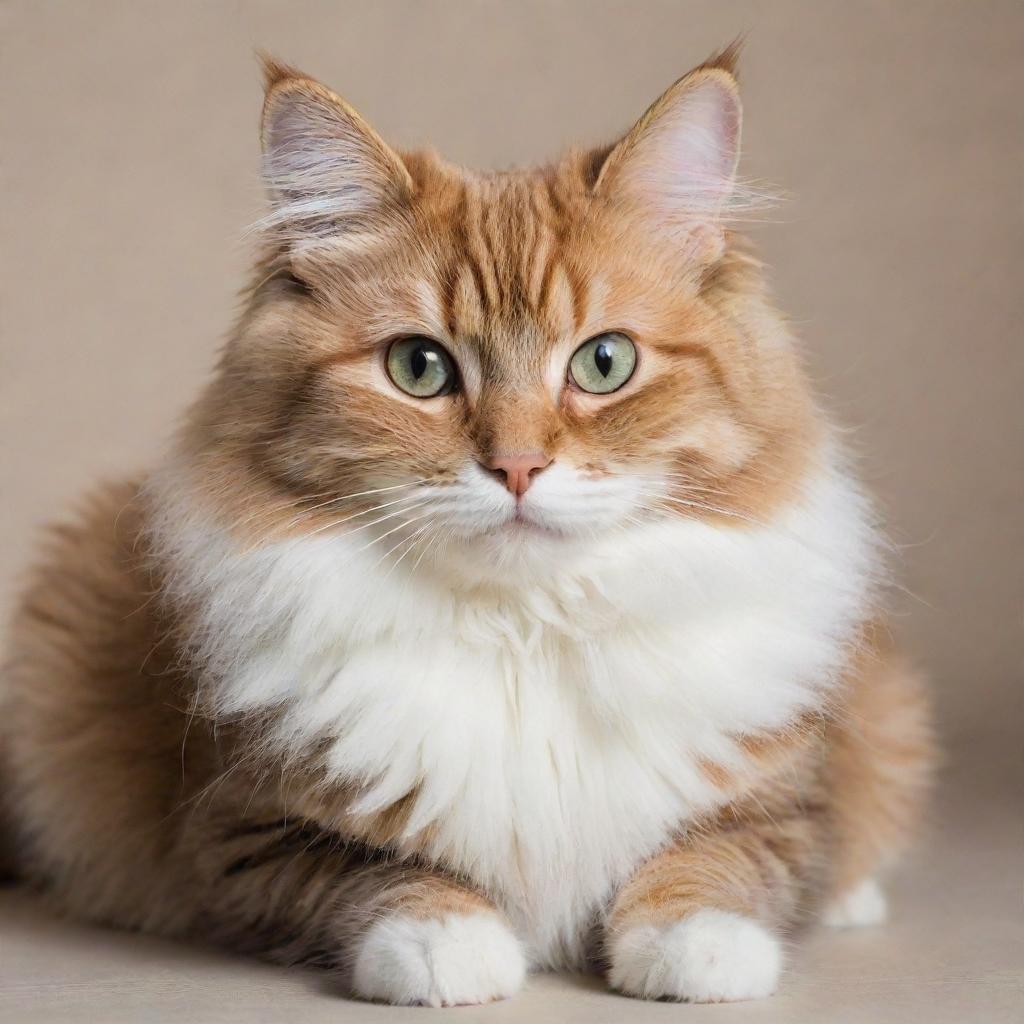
column 136, row 803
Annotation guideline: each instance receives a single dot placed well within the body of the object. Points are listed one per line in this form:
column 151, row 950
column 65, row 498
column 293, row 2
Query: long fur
column 320, row 687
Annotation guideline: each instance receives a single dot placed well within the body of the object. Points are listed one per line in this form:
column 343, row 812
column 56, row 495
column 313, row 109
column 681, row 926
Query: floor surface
column 953, row 952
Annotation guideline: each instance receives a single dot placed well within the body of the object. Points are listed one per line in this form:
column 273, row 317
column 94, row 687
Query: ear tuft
column 275, row 71
column 727, row 59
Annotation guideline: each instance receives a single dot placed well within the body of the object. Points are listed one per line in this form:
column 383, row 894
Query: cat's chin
column 520, row 528
column 522, row 535
column 517, row 548
column 523, row 526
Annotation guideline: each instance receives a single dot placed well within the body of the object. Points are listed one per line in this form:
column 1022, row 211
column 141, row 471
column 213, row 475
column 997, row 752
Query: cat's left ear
column 677, row 165
column 329, row 174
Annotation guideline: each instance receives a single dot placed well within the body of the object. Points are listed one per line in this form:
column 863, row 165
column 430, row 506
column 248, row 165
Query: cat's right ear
column 329, row 174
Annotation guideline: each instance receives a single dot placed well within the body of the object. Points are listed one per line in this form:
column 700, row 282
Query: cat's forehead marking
column 509, row 278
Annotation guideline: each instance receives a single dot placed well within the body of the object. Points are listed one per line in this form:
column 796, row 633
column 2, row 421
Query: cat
column 506, row 601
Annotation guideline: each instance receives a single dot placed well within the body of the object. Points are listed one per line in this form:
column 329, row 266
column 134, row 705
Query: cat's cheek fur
column 711, row 956
column 455, row 960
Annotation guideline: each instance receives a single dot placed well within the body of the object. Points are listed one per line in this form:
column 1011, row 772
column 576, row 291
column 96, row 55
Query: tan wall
column 129, row 171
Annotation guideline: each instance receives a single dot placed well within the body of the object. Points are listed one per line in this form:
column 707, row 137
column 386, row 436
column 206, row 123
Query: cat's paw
column 711, row 956
column 859, row 907
column 454, row 960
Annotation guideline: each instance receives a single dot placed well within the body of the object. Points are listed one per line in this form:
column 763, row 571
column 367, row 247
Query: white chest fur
column 552, row 733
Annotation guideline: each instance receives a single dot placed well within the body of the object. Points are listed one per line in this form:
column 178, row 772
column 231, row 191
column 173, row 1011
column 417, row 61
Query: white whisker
column 357, row 494
column 411, row 542
column 365, row 526
column 394, row 529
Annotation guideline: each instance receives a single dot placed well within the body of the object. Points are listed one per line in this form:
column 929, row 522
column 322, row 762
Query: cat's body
column 641, row 716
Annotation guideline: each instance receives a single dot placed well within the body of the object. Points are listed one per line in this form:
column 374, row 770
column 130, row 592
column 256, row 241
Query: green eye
column 603, row 364
column 421, row 367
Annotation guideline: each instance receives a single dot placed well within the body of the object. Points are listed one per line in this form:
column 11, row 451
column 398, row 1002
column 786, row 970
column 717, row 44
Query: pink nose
column 517, row 472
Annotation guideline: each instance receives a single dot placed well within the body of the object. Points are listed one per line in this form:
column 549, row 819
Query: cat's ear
column 329, row 174
column 677, row 165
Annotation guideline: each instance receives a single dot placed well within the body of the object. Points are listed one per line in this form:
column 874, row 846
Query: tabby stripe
column 578, row 290
column 256, row 828
column 460, row 227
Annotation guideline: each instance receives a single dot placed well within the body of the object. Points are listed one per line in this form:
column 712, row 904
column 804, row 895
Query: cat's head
column 502, row 363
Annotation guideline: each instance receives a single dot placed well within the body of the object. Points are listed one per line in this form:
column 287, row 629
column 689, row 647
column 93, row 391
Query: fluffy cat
column 506, row 601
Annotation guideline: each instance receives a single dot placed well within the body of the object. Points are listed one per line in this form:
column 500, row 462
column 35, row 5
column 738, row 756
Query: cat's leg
column 702, row 921
column 881, row 757
column 394, row 932
column 858, row 906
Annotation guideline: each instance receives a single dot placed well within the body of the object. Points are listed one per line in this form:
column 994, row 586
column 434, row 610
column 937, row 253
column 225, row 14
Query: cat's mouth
column 521, row 523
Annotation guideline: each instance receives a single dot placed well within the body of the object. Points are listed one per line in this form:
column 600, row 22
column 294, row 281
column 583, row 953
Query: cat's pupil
column 603, row 359
column 418, row 363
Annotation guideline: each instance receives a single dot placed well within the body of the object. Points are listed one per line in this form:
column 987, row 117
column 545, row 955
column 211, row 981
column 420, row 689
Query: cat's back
column 82, row 610
column 93, row 709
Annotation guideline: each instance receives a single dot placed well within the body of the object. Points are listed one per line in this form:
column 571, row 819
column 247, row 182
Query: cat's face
column 509, row 361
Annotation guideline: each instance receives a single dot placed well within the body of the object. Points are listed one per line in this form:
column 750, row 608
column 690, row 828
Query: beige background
column 129, row 161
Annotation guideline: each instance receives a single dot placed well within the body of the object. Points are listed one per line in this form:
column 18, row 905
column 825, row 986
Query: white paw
column 858, row 907
column 450, row 961
column 712, row 956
